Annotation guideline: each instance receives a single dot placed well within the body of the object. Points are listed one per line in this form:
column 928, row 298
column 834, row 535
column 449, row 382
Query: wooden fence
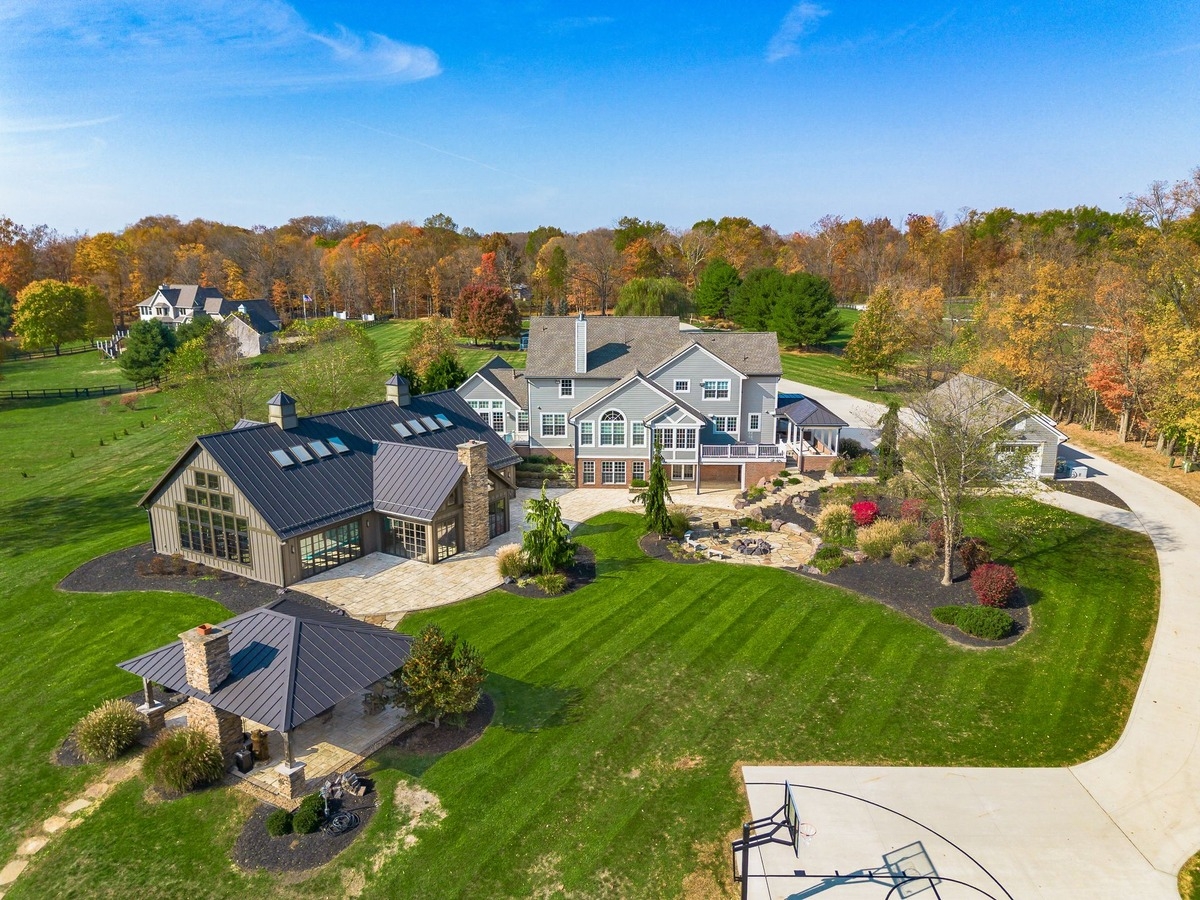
column 79, row 393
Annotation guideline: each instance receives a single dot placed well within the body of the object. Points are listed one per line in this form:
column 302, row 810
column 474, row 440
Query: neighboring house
column 599, row 392
column 177, row 304
column 419, row 477
column 253, row 331
column 1024, row 425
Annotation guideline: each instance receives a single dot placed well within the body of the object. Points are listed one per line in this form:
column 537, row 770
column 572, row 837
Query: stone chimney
column 581, row 344
column 281, row 411
column 397, row 390
column 473, row 455
column 206, row 662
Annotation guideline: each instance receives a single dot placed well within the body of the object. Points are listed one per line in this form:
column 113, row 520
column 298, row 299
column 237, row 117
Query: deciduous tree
column 485, row 312
column 877, row 345
column 336, row 366
column 441, row 678
column 49, row 313
column 653, row 297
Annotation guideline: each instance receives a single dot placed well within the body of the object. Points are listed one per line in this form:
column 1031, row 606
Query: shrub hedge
column 108, row 730
column 979, row 621
column 994, row 584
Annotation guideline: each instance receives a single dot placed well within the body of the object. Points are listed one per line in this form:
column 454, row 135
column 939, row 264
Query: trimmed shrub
column 511, row 562
column 925, row 550
column 827, row 559
column 947, row 615
column 639, row 483
column 913, row 510
column 279, row 823
column 865, row 512
column 974, row 553
column 108, row 730
column 307, row 817
column 553, row 584
column 994, row 584
column 878, row 540
column 835, row 523
column 838, row 466
column 183, row 759
column 783, row 473
column 793, row 480
column 902, row 554
column 985, row 622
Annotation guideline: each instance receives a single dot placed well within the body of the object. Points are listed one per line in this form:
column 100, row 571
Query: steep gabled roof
column 290, row 663
column 186, row 296
column 504, row 378
column 617, row 345
column 995, row 404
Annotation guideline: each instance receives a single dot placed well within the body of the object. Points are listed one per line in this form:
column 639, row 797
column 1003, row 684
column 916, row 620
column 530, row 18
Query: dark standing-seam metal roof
column 807, row 411
column 398, row 493
column 290, row 663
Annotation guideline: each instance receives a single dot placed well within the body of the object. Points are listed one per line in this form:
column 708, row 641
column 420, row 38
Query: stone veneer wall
column 206, row 661
column 473, row 455
column 223, row 727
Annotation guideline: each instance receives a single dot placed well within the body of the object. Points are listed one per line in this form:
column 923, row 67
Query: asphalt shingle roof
column 290, row 663
column 618, row 345
column 509, row 381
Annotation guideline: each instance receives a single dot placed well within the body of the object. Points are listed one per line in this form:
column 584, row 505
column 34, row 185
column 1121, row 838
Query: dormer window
column 566, row 387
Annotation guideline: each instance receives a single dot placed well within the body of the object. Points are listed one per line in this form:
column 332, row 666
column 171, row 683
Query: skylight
column 416, row 426
column 338, row 444
column 401, row 430
column 430, row 423
column 444, row 420
column 320, row 449
column 282, row 459
column 300, row 453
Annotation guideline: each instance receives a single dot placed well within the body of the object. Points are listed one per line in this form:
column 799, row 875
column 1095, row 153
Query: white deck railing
column 771, row 452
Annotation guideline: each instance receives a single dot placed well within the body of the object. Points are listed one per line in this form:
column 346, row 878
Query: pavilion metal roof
column 290, row 662
column 806, row 411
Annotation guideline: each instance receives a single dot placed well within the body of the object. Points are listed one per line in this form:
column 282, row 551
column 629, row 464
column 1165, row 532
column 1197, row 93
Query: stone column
column 223, row 727
column 290, row 780
column 473, row 455
column 206, row 659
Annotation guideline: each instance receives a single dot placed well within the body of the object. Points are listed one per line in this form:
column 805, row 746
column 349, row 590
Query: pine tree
column 655, row 497
column 547, row 544
column 889, row 439
column 441, row 677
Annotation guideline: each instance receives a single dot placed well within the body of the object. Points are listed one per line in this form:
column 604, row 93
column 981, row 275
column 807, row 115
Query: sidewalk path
column 1120, row 825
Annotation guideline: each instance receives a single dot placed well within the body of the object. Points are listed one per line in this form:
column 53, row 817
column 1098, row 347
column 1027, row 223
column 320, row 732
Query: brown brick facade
column 598, row 483
column 756, row 471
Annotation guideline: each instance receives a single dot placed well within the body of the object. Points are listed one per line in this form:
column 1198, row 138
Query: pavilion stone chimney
column 397, row 390
column 281, row 411
column 581, row 344
column 207, row 665
column 473, row 455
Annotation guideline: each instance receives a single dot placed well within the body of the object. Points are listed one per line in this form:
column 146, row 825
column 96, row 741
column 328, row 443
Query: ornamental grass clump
column 108, row 730
column 865, row 512
column 835, row 524
column 878, row 540
column 994, row 584
column 902, row 554
column 183, row 759
column 925, row 551
column 511, row 562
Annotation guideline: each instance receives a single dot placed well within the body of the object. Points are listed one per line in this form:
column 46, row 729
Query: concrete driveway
column 1118, row 826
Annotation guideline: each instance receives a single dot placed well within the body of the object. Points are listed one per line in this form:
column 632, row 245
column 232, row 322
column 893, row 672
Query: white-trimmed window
column 755, row 422
column 498, row 421
column 554, row 424
column 725, row 424
column 566, row 387
column 612, row 471
column 685, row 439
column 639, row 470
column 666, row 437
column 685, row 472
column 586, row 434
column 682, row 386
column 637, row 434
column 522, row 422
column 481, row 407
column 612, row 429
column 715, row 389
column 589, row 471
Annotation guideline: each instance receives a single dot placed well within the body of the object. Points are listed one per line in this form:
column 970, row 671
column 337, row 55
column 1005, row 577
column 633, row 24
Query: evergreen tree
column 889, row 442
column 442, row 677
column 715, row 289
column 805, row 314
column 445, row 374
column 547, row 544
column 147, row 348
column 655, row 497
column 548, row 307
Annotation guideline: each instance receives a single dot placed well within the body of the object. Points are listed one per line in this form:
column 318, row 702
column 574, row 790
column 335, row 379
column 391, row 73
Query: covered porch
column 807, row 429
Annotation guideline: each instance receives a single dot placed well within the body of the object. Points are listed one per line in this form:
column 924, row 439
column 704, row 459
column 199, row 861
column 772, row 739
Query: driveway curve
column 1119, row 825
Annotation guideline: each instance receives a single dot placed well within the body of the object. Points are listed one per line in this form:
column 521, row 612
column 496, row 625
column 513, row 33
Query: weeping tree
column 547, row 544
column 655, row 497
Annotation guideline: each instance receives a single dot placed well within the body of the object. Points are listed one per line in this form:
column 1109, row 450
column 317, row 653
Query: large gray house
column 252, row 322
column 279, row 501
column 599, row 392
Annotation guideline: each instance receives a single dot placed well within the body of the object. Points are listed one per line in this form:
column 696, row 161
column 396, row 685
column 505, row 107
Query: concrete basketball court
column 1117, row 826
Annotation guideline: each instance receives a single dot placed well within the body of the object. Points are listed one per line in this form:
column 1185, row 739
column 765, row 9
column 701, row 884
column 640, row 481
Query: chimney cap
column 397, row 380
column 281, row 399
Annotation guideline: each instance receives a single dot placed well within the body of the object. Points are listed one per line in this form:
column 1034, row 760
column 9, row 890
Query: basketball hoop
column 807, row 831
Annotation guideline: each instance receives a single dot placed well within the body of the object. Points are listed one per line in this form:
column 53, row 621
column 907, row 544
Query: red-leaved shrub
column 994, row 584
column 865, row 512
column 912, row 510
column 974, row 553
column 937, row 532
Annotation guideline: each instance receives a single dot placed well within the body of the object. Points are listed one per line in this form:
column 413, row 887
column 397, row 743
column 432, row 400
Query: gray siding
column 758, row 396
column 265, row 551
column 543, row 398
column 636, row 400
column 481, row 389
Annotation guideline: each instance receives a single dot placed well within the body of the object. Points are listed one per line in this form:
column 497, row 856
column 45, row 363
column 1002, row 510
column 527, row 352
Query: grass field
column 623, row 709
column 76, row 370
column 392, row 339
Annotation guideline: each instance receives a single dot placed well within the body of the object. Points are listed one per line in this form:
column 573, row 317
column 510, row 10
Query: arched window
column 612, row 429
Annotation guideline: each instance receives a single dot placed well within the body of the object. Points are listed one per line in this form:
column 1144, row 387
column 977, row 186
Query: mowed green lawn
column 77, row 370
column 392, row 339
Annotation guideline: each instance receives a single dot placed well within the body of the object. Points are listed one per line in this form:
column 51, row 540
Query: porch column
column 289, row 773
column 837, row 433
column 154, row 713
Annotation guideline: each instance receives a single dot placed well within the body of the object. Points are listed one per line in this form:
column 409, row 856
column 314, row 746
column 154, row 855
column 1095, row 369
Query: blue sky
column 511, row 115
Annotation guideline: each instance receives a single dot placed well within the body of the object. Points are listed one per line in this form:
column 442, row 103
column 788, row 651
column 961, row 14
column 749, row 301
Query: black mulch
column 425, row 740
column 118, row 571
column 915, row 591
column 68, row 753
column 655, row 546
column 581, row 573
column 255, row 849
column 1092, row 490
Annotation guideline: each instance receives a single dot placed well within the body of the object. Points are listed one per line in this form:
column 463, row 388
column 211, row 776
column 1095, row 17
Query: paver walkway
column 69, row 815
column 1120, row 825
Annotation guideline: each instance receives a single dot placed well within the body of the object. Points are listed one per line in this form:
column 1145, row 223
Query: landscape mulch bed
column 581, row 573
column 425, row 740
column 68, row 753
column 118, row 571
column 915, row 591
column 1082, row 487
column 255, row 849
column 655, row 546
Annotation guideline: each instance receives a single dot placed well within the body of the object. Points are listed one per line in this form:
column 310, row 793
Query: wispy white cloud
column 40, row 126
column 378, row 56
column 801, row 20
